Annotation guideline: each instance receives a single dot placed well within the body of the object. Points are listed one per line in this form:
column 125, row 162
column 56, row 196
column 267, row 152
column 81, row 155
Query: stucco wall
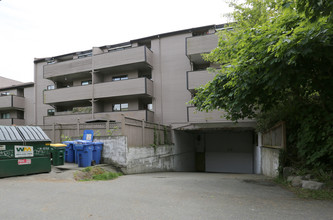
column 270, row 161
column 136, row 159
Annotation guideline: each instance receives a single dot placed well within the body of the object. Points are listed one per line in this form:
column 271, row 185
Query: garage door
column 229, row 152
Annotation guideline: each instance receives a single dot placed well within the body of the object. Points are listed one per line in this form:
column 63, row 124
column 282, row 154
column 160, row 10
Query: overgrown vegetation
column 95, row 173
column 277, row 65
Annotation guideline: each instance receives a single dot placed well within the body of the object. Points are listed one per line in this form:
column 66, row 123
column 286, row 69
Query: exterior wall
column 136, row 159
column 29, row 105
column 184, row 151
column 40, row 109
column 270, row 161
column 169, row 76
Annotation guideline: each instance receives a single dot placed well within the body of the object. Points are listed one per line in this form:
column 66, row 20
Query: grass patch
column 322, row 194
column 94, row 173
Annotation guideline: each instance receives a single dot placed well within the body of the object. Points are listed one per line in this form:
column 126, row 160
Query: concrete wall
column 270, row 161
column 136, row 159
column 184, row 151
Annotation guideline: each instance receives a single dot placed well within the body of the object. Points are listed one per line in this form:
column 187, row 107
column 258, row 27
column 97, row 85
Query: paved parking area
column 154, row 196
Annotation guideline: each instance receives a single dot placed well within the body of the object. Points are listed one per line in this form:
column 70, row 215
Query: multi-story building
column 150, row 79
column 16, row 102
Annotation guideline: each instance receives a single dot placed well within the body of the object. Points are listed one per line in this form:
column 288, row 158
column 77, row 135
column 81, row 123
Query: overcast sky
column 42, row 28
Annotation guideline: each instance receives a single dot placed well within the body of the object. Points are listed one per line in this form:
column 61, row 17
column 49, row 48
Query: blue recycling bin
column 84, row 153
column 69, row 152
column 97, row 152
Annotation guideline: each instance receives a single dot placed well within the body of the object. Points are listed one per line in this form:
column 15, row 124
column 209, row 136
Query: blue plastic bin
column 84, row 153
column 97, row 152
column 69, row 152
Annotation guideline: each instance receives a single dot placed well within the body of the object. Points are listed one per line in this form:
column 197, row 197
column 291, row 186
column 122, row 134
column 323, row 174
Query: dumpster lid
column 10, row 134
column 58, row 145
column 31, row 133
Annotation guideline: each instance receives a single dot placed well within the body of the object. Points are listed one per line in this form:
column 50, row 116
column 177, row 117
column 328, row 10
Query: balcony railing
column 196, row 79
column 136, row 56
column 116, row 116
column 138, row 86
column 12, row 102
column 195, row 46
column 217, row 116
column 12, row 121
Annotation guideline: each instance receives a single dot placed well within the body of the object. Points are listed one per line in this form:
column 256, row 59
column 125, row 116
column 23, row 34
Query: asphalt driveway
column 154, row 196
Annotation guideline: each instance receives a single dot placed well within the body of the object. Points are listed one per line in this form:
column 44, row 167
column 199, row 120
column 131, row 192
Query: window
column 5, row 115
column 84, row 83
column 118, row 78
column 120, row 107
column 50, row 87
column 150, row 107
column 83, row 55
column 5, row 93
column 50, row 112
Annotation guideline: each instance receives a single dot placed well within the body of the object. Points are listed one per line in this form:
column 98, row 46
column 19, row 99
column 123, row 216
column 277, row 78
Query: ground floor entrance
column 218, row 150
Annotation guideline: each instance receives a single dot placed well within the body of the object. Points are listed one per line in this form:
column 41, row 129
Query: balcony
column 195, row 46
column 11, row 102
column 130, row 58
column 139, row 86
column 196, row 79
column 116, row 116
column 127, row 58
column 67, row 67
column 12, row 121
column 214, row 116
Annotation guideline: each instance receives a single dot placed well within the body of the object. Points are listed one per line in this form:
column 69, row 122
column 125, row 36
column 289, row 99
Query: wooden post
column 123, row 125
column 53, row 132
column 78, row 127
column 143, row 132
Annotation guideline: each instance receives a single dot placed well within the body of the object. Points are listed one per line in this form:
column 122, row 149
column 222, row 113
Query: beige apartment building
column 150, row 79
column 16, row 102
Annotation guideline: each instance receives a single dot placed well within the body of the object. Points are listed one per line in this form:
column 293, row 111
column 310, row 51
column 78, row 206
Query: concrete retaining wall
column 136, row 159
column 270, row 161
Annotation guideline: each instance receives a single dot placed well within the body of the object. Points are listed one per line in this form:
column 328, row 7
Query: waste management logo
column 24, row 151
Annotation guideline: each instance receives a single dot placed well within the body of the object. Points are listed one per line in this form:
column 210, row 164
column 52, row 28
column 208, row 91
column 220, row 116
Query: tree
column 278, row 56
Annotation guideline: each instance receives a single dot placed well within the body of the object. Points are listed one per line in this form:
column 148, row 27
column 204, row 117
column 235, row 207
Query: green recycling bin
column 58, row 154
column 23, row 150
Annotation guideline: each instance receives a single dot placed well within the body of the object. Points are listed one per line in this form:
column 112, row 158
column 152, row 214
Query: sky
column 43, row 28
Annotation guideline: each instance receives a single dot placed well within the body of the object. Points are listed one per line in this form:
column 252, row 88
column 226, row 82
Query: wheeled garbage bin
column 58, row 154
column 69, row 152
column 97, row 152
column 23, row 150
column 84, row 153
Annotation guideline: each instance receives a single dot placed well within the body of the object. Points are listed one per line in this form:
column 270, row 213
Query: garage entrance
column 223, row 151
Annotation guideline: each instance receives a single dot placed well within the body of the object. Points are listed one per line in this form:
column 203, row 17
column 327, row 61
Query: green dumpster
column 58, row 154
column 23, row 150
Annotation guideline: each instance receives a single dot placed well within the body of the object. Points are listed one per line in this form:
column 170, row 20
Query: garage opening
column 223, row 151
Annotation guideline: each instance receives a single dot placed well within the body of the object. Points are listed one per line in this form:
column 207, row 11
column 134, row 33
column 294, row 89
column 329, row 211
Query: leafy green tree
column 278, row 56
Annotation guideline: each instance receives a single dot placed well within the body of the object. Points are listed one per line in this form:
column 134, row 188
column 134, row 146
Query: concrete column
column 257, row 155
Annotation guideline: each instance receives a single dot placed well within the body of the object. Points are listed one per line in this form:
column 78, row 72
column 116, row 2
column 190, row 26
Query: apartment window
column 118, row 78
column 5, row 115
column 120, row 107
column 50, row 87
column 83, row 55
column 5, row 93
column 150, row 107
column 84, row 83
column 50, row 112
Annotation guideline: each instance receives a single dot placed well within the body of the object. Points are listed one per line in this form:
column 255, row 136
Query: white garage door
column 229, row 152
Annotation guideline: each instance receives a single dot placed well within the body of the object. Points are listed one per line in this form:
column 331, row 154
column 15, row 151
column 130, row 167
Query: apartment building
column 150, row 79
column 16, row 102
